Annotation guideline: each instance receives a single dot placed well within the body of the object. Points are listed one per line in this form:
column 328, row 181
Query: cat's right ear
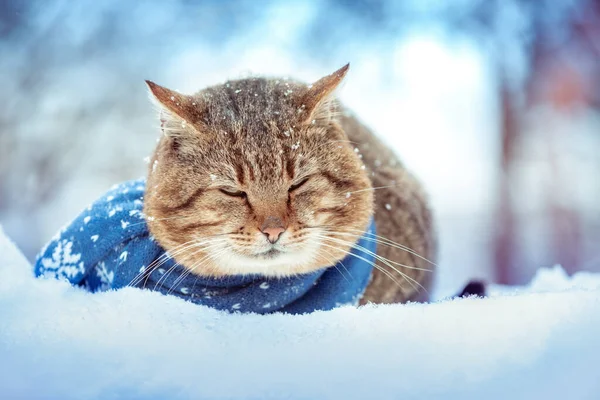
column 180, row 113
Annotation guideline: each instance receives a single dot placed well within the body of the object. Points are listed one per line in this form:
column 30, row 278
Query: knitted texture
column 108, row 246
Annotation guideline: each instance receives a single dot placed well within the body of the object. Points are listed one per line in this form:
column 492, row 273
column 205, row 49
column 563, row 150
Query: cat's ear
column 179, row 113
column 317, row 98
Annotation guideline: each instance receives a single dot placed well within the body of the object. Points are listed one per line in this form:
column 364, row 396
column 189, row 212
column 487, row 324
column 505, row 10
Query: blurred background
column 494, row 104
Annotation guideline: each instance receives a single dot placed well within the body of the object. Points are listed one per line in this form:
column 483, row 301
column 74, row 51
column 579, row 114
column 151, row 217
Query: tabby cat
column 274, row 177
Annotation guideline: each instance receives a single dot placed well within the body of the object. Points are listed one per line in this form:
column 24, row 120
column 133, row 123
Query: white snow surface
column 60, row 342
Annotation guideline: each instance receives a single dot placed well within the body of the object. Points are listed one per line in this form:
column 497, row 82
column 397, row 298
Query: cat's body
column 267, row 176
column 402, row 216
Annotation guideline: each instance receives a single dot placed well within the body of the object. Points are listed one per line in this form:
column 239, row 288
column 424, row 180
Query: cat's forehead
column 260, row 123
column 253, row 104
column 265, row 159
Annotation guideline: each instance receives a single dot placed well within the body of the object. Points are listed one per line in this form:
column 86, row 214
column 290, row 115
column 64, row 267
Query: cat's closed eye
column 298, row 185
column 233, row 192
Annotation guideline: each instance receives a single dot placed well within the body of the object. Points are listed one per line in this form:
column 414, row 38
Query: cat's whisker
column 344, row 141
column 372, row 263
column 334, row 264
column 383, row 260
column 190, row 270
column 391, row 261
column 172, row 268
column 377, row 239
column 195, row 265
column 374, row 188
column 380, row 241
column 162, row 260
column 153, row 265
column 389, row 274
column 203, row 246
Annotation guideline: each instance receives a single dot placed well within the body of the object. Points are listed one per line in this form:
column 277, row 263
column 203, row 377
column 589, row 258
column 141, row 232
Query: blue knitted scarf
column 108, row 246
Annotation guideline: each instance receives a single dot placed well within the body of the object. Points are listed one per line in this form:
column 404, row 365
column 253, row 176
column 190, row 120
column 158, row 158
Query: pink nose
column 273, row 233
column 273, row 227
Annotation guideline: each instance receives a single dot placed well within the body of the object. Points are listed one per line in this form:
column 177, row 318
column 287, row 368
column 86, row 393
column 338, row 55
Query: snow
column 58, row 341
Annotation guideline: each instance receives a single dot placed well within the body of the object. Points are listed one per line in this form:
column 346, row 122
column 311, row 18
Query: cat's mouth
column 268, row 260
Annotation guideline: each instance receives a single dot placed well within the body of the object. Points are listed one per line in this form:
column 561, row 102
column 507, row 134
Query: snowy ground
column 58, row 342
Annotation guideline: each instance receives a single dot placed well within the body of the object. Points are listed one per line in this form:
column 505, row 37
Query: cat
column 275, row 177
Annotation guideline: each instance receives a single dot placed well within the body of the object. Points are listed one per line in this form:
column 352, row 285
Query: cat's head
column 256, row 176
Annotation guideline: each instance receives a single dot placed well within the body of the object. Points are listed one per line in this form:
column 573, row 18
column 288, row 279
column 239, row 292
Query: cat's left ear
column 318, row 96
column 181, row 112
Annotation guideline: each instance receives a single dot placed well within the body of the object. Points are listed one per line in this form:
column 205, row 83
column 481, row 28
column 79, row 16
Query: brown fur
column 238, row 156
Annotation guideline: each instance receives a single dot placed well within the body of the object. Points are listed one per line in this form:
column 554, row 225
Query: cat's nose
column 273, row 227
column 273, row 234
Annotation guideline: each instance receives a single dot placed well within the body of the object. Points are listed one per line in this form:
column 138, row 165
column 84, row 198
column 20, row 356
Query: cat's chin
column 269, row 254
column 272, row 263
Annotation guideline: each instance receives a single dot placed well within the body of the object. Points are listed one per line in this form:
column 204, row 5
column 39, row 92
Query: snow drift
column 57, row 341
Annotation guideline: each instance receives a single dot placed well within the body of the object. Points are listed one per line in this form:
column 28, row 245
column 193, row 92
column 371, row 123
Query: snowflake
column 63, row 263
column 106, row 277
